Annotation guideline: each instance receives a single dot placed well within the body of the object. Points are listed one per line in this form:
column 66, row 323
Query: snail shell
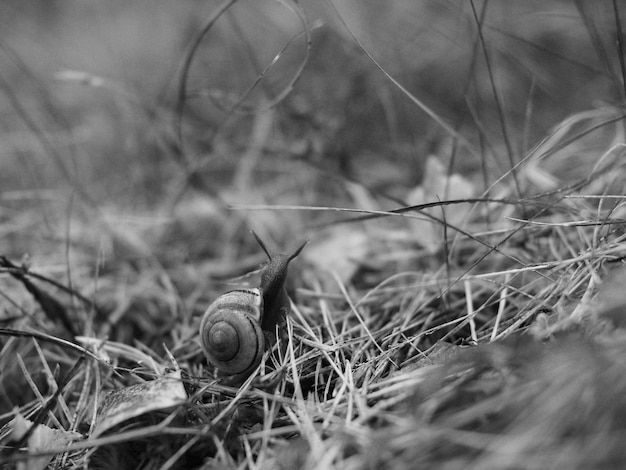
column 231, row 334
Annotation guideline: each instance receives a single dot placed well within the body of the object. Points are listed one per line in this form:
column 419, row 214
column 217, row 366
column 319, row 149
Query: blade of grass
column 620, row 46
column 429, row 112
column 497, row 100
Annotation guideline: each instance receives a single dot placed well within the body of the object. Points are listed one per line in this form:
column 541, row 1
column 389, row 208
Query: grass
column 456, row 166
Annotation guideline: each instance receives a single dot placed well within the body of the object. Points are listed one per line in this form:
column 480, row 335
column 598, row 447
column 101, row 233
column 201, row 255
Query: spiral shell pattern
column 231, row 334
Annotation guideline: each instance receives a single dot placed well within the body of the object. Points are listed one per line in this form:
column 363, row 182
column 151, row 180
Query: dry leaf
column 126, row 403
column 439, row 186
column 43, row 438
column 340, row 252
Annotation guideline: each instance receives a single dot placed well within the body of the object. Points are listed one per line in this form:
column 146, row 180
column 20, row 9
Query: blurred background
column 156, row 115
column 141, row 140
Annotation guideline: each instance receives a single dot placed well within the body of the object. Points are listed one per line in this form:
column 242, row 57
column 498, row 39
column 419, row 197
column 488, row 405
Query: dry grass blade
column 433, row 115
column 460, row 303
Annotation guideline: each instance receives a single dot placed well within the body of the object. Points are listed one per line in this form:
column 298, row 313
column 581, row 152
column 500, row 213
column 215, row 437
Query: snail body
column 234, row 327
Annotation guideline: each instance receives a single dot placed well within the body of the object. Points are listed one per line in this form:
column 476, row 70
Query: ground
column 456, row 168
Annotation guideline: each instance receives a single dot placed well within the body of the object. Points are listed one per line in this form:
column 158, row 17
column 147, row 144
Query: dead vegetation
column 460, row 303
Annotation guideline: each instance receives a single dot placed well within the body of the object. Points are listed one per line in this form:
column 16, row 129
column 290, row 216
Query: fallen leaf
column 341, row 252
column 43, row 438
column 123, row 404
column 437, row 185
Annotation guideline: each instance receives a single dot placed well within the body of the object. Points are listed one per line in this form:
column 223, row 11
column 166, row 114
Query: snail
column 234, row 327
